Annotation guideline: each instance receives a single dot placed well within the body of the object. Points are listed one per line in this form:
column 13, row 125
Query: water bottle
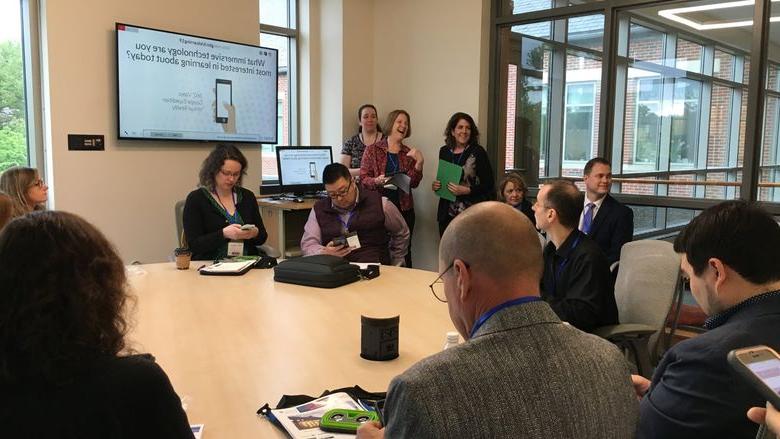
column 451, row 340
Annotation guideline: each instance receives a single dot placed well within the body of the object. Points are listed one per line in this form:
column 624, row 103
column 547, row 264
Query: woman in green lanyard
column 215, row 212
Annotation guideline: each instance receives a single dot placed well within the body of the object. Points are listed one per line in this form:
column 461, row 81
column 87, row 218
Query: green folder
column 448, row 173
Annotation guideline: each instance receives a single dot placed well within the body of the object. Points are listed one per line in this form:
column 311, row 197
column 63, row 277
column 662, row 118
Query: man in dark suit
column 521, row 373
column 576, row 283
column 729, row 253
column 608, row 222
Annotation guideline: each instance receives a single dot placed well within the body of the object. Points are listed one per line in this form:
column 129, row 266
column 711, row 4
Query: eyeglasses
column 230, row 174
column 341, row 193
column 437, row 287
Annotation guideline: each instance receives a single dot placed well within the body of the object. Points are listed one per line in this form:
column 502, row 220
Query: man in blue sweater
column 729, row 253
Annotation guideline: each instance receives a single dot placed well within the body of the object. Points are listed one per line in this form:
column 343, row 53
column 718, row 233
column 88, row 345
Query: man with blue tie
column 604, row 219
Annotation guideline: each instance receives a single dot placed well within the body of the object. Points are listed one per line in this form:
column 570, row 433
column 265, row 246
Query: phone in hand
column 248, row 227
column 339, row 241
column 759, row 366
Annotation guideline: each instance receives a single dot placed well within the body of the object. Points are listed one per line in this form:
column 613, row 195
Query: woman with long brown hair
column 65, row 370
column 26, row 188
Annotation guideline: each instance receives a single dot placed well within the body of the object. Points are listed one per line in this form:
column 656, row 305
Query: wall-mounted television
column 300, row 168
column 174, row 86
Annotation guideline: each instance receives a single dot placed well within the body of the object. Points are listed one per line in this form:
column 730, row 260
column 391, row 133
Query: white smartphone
column 248, row 227
column 759, row 366
column 224, row 95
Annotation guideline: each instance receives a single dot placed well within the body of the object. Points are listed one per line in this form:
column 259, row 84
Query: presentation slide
column 302, row 166
column 174, row 86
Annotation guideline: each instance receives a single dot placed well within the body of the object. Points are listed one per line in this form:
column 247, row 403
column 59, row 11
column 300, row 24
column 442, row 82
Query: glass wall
column 673, row 117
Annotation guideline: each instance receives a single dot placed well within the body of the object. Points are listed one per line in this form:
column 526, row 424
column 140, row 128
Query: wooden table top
column 230, row 344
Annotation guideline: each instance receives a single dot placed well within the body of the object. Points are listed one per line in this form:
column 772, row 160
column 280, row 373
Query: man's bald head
column 496, row 240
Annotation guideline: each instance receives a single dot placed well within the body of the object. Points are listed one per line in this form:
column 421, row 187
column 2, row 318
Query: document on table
column 448, row 173
column 228, row 267
column 303, row 421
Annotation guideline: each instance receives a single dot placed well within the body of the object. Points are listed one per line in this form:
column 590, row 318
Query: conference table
column 232, row 343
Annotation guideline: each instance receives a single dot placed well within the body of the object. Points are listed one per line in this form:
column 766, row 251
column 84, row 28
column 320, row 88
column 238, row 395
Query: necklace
column 363, row 139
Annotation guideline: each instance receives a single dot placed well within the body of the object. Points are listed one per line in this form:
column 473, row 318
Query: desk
column 230, row 344
column 284, row 221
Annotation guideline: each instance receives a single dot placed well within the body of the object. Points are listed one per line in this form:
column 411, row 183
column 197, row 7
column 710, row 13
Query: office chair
column 178, row 210
column 645, row 288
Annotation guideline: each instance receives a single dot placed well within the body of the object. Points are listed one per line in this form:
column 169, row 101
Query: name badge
column 353, row 241
column 235, row 248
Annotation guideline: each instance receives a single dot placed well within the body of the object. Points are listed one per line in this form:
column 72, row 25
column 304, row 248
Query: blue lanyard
column 232, row 219
column 557, row 273
column 395, row 164
column 484, row 317
column 460, row 156
column 349, row 220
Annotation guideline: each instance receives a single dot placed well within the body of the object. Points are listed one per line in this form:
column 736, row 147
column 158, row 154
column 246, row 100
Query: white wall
column 429, row 60
column 129, row 189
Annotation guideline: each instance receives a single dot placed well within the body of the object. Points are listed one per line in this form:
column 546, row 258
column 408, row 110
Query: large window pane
column 13, row 126
column 685, row 123
column 282, row 36
column 769, row 172
column 684, row 105
column 552, row 83
column 276, row 13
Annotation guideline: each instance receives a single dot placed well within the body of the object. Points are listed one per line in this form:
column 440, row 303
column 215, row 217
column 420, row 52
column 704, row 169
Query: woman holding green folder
column 461, row 138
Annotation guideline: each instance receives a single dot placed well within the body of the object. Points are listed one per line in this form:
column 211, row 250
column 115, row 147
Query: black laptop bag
column 323, row 271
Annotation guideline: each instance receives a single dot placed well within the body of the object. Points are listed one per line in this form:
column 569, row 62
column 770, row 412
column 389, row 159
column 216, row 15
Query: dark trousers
column 443, row 225
column 409, row 218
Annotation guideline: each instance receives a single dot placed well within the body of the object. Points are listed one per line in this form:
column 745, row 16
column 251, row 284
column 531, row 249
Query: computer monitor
column 300, row 167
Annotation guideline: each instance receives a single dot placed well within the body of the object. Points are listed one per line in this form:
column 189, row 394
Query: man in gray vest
column 521, row 373
column 359, row 225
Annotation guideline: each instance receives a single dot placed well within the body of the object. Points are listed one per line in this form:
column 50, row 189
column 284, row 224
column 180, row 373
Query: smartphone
column 247, row 227
column 760, row 366
column 312, row 170
column 224, row 91
column 339, row 241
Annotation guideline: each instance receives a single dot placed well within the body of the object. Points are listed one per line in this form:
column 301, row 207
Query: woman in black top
column 215, row 212
column 512, row 191
column 369, row 133
column 65, row 371
column 476, row 183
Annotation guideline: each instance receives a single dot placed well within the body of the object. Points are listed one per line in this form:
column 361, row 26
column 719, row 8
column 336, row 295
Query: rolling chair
column 646, row 285
column 178, row 210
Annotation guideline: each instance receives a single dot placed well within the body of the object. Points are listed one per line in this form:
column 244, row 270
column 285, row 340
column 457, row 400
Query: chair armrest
column 624, row 331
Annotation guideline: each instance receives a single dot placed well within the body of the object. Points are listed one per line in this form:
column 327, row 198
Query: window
column 578, row 135
column 647, row 140
column 13, row 123
column 278, row 29
column 552, row 86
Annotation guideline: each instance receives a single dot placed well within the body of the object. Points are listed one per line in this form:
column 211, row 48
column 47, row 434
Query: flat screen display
column 300, row 168
column 174, row 86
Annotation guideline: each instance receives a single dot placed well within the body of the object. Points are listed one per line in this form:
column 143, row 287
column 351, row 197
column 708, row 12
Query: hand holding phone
column 759, row 366
column 248, row 227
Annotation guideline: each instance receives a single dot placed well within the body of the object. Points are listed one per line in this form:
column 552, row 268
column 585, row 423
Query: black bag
column 323, row 271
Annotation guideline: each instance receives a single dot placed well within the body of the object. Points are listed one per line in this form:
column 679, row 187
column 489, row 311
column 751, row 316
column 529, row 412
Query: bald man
column 521, row 371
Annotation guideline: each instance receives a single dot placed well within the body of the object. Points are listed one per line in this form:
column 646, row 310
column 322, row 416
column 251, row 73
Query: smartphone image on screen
column 224, row 92
column 313, row 170
column 759, row 366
